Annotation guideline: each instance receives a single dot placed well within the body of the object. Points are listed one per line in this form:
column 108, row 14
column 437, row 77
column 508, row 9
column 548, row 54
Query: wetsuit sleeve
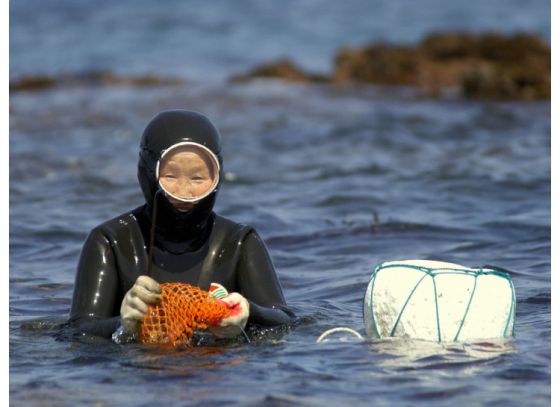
column 257, row 281
column 95, row 303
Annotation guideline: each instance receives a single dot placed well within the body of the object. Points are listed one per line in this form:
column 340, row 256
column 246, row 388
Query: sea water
column 335, row 180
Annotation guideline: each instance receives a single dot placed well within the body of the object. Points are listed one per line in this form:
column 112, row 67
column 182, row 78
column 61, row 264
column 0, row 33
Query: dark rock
column 379, row 64
column 489, row 66
column 32, row 83
column 281, row 69
column 485, row 66
column 90, row 78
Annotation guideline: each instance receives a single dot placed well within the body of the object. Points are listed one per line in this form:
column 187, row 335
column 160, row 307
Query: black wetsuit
column 196, row 247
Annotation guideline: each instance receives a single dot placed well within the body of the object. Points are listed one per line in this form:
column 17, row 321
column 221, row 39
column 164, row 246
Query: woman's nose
column 184, row 189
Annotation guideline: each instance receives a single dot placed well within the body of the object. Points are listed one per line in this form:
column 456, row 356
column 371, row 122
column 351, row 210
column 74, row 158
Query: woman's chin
column 183, row 208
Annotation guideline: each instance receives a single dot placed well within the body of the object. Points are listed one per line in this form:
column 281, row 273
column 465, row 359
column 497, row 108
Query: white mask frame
column 213, row 159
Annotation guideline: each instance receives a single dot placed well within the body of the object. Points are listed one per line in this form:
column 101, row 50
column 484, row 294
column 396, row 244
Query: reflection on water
column 185, row 361
column 416, row 354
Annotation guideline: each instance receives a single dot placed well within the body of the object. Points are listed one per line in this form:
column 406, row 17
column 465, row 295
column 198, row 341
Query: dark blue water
column 336, row 180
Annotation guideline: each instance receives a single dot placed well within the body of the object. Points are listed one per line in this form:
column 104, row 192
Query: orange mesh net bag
column 183, row 309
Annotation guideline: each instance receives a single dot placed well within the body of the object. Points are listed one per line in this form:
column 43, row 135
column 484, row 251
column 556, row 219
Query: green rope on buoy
column 437, row 309
column 511, row 310
column 467, row 309
column 406, row 303
column 372, row 311
column 433, row 272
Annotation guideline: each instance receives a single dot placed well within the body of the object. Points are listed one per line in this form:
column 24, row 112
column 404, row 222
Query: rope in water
column 338, row 329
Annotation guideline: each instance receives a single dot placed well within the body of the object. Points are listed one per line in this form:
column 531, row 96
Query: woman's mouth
column 183, row 207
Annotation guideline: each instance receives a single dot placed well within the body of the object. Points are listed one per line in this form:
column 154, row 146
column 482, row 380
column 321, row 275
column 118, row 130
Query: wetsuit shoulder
column 256, row 277
column 230, row 227
column 98, row 287
column 113, row 227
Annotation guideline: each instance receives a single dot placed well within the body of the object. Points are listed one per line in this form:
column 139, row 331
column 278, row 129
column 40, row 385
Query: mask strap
column 152, row 233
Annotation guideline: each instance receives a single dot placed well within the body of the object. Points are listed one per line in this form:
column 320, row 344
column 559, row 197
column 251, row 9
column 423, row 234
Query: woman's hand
column 134, row 307
column 236, row 321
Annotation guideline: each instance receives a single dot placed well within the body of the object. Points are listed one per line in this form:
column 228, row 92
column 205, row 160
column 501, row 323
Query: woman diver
column 174, row 237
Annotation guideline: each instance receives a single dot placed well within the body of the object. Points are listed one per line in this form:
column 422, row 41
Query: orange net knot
column 183, row 309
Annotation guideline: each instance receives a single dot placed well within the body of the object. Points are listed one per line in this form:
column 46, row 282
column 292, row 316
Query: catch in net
column 182, row 310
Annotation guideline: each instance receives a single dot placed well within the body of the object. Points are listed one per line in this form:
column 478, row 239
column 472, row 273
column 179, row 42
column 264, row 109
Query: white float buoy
column 439, row 301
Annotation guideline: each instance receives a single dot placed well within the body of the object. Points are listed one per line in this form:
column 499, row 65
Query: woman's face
column 186, row 172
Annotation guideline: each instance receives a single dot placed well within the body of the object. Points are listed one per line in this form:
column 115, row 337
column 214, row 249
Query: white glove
column 233, row 324
column 144, row 292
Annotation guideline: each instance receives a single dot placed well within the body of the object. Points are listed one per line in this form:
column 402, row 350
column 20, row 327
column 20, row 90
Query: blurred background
column 353, row 133
column 205, row 41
